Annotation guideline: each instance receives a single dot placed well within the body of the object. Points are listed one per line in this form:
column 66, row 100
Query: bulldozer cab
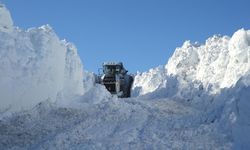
column 113, row 68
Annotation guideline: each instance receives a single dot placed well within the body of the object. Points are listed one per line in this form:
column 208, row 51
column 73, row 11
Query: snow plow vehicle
column 115, row 78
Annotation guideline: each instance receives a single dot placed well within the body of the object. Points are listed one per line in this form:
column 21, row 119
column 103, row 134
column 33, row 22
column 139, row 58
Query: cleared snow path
column 115, row 124
column 199, row 100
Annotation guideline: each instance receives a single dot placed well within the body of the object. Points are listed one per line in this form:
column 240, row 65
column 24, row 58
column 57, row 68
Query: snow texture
column 35, row 65
column 218, row 63
column 198, row 100
column 6, row 22
column 211, row 77
column 147, row 82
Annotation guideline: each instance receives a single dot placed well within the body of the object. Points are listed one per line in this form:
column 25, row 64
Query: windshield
column 111, row 69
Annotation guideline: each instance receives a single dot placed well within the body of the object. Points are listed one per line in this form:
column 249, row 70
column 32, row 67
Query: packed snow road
column 116, row 124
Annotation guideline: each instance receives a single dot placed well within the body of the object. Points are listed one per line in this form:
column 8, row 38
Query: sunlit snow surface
column 199, row 100
column 35, row 65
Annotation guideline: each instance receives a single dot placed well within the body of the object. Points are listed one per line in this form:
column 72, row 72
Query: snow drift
column 217, row 64
column 211, row 77
column 220, row 61
column 35, row 65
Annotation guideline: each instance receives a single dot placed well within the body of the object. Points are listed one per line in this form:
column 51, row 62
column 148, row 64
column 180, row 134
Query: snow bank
column 147, row 82
column 35, row 65
column 241, row 113
column 221, row 61
column 230, row 109
column 239, row 61
column 218, row 63
column 212, row 78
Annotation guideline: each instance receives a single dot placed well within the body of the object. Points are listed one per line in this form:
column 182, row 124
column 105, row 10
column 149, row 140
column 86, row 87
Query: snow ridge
column 35, row 65
column 211, row 77
column 220, row 61
column 217, row 64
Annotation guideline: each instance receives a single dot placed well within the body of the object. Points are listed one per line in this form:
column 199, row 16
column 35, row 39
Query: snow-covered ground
column 198, row 100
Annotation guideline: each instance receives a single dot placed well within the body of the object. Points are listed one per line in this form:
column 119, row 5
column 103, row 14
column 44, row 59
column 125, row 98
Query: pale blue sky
column 141, row 33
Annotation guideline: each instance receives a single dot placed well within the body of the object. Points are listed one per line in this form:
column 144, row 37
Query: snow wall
column 35, row 65
column 213, row 77
column 217, row 64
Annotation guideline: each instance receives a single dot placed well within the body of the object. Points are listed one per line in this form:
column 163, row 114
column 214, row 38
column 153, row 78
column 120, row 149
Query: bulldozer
column 115, row 78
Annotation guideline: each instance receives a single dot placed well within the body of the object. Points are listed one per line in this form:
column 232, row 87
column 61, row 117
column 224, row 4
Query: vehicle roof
column 112, row 63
